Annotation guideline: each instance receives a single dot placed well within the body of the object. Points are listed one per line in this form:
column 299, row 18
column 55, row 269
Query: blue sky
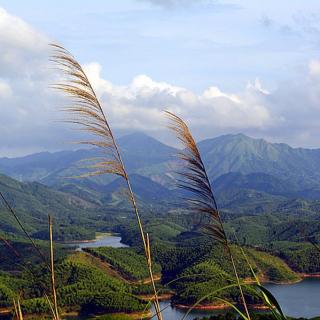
column 193, row 43
column 225, row 66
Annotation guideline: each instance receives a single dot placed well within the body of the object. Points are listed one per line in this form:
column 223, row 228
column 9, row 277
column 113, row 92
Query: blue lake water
column 297, row 300
column 301, row 299
column 171, row 313
column 106, row 240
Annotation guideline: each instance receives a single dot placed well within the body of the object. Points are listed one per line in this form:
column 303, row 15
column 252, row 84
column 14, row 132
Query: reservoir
column 103, row 240
column 301, row 299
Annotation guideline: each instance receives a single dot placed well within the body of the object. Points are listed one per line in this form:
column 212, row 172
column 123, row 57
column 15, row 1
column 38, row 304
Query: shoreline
column 202, row 307
column 310, row 275
column 99, row 236
column 301, row 275
column 150, row 297
column 133, row 315
column 213, row 307
column 283, row 282
column 70, row 313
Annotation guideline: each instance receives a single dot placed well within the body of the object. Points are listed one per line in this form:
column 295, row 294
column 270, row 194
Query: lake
column 301, row 299
column 171, row 313
column 297, row 300
column 103, row 240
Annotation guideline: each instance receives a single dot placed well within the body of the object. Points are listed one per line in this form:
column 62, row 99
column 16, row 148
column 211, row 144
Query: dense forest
column 105, row 279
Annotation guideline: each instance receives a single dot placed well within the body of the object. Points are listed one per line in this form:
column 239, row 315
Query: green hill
column 33, row 202
column 81, row 286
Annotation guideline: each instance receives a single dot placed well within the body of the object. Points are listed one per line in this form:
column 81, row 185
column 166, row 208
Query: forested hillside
column 273, row 216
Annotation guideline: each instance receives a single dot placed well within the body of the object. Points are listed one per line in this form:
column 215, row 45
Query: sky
column 223, row 66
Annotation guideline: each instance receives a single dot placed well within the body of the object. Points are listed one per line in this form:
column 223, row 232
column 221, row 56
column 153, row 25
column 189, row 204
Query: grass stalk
column 11, row 210
column 195, row 180
column 30, row 272
column 53, row 282
column 238, row 282
column 88, row 113
column 17, row 309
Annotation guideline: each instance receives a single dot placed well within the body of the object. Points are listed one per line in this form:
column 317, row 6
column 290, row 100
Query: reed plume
column 87, row 113
column 194, row 179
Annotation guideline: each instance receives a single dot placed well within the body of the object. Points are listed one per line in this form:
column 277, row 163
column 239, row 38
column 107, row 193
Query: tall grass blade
column 87, row 113
column 272, row 300
column 273, row 304
column 10, row 209
column 51, row 307
column 53, row 282
column 17, row 309
column 194, row 179
column 10, row 247
column 212, row 294
column 25, row 267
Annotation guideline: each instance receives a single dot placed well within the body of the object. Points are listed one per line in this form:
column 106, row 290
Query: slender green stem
column 207, row 296
column 53, row 283
column 227, row 245
column 10, row 209
column 146, row 249
column 238, row 282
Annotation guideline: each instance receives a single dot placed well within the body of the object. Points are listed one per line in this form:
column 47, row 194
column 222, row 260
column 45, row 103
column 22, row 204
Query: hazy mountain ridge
column 139, row 152
column 232, row 161
column 239, row 153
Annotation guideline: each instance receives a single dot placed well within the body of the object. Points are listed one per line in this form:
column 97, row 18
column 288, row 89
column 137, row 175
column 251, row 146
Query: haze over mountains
column 237, row 165
column 249, row 176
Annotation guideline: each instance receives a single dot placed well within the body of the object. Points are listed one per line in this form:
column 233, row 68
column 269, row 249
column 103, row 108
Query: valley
column 269, row 208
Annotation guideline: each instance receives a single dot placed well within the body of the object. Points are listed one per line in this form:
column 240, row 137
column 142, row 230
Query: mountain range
column 232, row 161
column 249, row 177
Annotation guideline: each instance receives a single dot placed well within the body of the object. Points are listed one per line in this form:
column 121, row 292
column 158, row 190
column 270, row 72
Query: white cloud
column 140, row 104
column 18, row 42
column 27, row 105
column 291, row 113
column 314, row 67
column 5, row 90
column 257, row 86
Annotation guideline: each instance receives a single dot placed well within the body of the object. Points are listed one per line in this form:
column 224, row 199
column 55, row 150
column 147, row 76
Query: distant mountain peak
column 136, row 135
column 237, row 136
column 139, row 141
column 241, row 140
column 149, row 157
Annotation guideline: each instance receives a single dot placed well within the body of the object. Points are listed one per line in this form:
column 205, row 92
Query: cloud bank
column 140, row 104
column 29, row 108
